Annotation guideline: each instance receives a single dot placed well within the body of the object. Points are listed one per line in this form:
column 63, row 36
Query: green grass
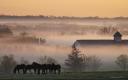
column 108, row 75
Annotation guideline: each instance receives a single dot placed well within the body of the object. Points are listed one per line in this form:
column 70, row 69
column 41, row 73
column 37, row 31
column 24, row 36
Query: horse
column 54, row 68
column 44, row 68
column 57, row 68
column 36, row 67
column 28, row 68
column 18, row 68
column 49, row 68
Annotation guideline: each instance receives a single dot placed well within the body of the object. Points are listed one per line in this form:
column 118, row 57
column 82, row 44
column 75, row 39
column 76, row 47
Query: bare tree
column 46, row 60
column 75, row 62
column 7, row 63
column 122, row 61
column 24, row 61
column 93, row 63
column 108, row 30
column 24, row 34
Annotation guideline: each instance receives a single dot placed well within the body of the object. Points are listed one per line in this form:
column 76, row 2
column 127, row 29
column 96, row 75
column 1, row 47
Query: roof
column 117, row 34
column 101, row 42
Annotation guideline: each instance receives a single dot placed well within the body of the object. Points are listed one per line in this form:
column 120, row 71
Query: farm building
column 116, row 41
column 106, row 49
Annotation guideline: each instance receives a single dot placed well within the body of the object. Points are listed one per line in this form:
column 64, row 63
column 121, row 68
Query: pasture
column 107, row 75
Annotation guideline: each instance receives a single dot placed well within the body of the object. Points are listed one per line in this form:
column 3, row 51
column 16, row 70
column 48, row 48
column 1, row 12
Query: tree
column 122, row 61
column 108, row 30
column 5, row 30
column 7, row 63
column 23, row 61
column 46, row 60
column 24, row 34
column 93, row 63
column 75, row 61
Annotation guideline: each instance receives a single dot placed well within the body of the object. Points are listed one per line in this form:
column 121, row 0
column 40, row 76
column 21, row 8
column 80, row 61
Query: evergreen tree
column 75, row 61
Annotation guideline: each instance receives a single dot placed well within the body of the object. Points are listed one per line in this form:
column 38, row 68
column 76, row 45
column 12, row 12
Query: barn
column 117, row 40
column 106, row 49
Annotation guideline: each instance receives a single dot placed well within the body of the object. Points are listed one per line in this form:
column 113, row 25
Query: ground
column 109, row 75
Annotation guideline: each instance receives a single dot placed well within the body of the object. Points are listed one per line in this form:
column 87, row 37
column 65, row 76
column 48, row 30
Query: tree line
column 59, row 17
column 80, row 62
column 75, row 62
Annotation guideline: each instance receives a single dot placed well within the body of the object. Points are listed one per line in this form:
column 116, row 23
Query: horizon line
column 53, row 16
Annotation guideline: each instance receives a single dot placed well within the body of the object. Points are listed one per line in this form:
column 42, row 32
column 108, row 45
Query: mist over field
column 59, row 35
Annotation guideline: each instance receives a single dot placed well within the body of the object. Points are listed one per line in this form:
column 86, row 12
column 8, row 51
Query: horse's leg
column 35, row 71
column 38, row 71
column 55, row 71
column 14, row 71
column 18, row 71
column 46, row 71
column 50, row 71
column 59, row 71
column 30, row 71
column 43, row 70
column 24, row 71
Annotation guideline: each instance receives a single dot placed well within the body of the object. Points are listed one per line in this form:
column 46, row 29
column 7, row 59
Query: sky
column 80, row 8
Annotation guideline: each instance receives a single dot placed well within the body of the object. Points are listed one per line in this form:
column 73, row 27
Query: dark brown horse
column 19, row 68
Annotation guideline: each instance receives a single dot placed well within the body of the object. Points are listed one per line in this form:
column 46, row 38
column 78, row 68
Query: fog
column 59, row 36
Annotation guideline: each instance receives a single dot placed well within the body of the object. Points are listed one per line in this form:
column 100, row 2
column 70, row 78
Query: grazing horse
column 36, row 67
column 54, row 68
column 28, row 68
column 44, row 68
column 18, row 68
column 49, row 68
column 57, row 68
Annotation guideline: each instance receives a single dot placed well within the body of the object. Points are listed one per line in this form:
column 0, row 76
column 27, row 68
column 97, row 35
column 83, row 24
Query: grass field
column 109, row 75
